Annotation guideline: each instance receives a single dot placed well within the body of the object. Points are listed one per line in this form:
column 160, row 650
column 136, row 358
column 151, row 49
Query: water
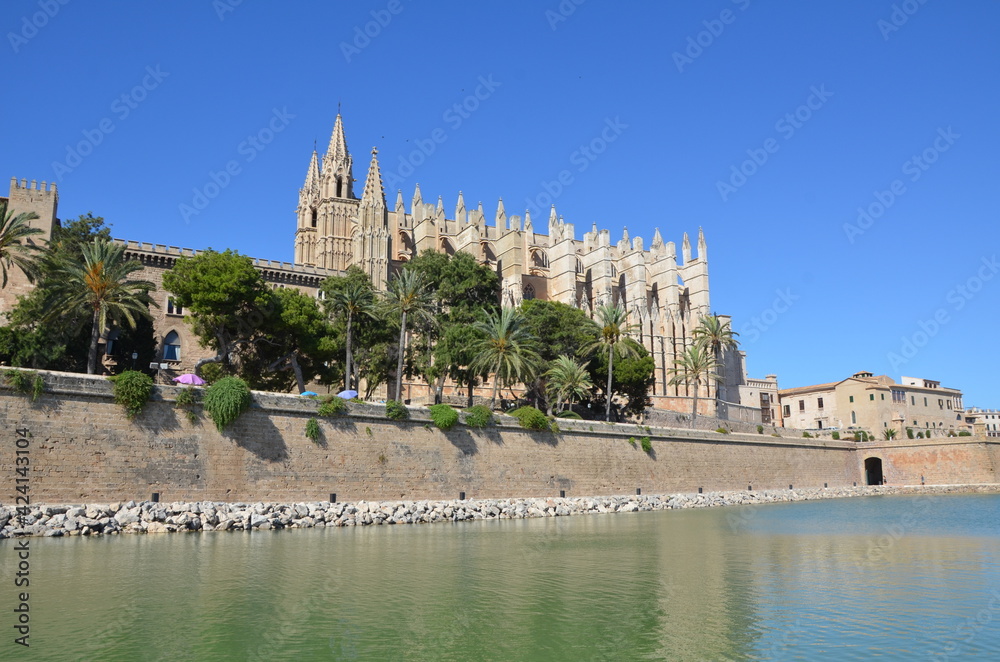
column 897, row 578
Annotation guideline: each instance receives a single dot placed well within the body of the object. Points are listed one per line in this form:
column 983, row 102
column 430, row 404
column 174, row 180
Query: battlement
column 33, row 186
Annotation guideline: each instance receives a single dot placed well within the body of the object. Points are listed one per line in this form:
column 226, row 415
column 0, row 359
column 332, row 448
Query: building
column 874, row 403
column 984, row 422
column 664, row 290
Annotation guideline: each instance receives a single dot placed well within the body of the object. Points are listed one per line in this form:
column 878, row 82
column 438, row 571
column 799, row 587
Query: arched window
column 854, row 418
column 579, row 266
column 314, row 218
column 172, row 347
column 529, row 291
column 539, row 259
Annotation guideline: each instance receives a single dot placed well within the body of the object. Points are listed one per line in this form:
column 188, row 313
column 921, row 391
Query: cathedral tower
column 371, row 234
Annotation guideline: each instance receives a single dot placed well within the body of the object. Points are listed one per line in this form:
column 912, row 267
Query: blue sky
column 648, row 110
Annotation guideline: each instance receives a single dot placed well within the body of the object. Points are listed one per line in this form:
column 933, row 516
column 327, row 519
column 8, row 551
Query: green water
column 897, row 578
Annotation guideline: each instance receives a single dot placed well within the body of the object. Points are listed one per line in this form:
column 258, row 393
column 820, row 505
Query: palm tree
column 15, row 246
column 568, row 379
column 508, row 350
column 716, row 335
column 97, row 283
column 355, row 300
column 693, row 366
column 408, row 296
column 614, row 327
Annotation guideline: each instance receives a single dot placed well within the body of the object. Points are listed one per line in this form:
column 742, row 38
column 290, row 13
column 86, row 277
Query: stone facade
column 43, row 200
column 875, row 403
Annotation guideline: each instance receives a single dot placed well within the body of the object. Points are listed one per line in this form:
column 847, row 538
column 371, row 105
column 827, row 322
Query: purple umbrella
column 190, row 378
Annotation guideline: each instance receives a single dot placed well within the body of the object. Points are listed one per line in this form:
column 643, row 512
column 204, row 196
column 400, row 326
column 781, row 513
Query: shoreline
column 148, row 517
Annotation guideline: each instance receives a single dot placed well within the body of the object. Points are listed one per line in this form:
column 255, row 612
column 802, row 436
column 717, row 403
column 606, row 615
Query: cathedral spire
column 338, row 144
column 686, row 249
column 338, row 175
column 501, row 218
column 311, row 185
column 374, row 195
column 418, row 200
column 460, row 215
column 702, row 245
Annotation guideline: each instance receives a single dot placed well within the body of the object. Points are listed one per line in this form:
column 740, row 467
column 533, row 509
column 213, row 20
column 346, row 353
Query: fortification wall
column 942, row 461
column 83, row 449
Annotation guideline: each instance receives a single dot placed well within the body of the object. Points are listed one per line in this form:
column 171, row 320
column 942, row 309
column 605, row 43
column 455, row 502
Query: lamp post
column 135, row 355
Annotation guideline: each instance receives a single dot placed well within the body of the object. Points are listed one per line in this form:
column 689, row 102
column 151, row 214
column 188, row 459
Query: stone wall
column 83, row 449
column 943, row 461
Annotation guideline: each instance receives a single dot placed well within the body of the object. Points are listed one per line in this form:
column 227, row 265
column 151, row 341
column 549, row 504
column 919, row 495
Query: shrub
column 722, row 430
column 631, row 440
column 569, row 414
column 647, row 444
column 760, row 429
column 530, row 418
column 806, row 435
column 964, row 433
column 478, row 416
column 332, row 406
column 187, row 397
column 132, row 390
column 225, row 400
column 909, row 433
column 212, row 372
column 396, row 410
column 920, row 435
column 312, row 430
column 835, row 435
column 444, row 416
column 26, row 382
column 554, row 427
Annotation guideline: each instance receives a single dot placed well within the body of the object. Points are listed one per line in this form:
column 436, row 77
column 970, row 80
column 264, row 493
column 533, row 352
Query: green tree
column 561, row 329
column 716, row 335
column 353, row 301
column 227, row 301
column 568, row 380
column 614, row 329
column 16, row 246
column 633, row 376
column 99, row 283
column 694, row 367
column 408, row 296
column 507, row 350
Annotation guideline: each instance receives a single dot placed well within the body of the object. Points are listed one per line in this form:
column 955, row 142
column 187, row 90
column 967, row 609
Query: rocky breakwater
column 154, row 517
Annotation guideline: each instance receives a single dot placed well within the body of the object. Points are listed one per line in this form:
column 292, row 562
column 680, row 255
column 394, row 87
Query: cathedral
column 664, row 293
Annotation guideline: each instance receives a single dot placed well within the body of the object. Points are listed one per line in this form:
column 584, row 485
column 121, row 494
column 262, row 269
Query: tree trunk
column 694, row 410
column 399, row 363
column 95, row 337
column 611, row 365
column 298, row 372
column 347, row 371
column 496, row 387
column 472, row 383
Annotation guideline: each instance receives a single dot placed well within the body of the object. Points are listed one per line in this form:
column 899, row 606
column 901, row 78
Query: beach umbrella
column 190, row 378
column 348, row 394
column 308, row 393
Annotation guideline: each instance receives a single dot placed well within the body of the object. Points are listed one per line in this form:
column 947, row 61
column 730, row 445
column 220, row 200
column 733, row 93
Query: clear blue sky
column 683, row 115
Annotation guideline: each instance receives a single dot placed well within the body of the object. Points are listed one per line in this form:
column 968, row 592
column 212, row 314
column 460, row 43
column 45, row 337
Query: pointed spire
column 625, row 234
column 527, row 221
column 399, row 202
column 417, row 198
column 702, row 245
column 440, row 205
column 460, row 214
column 501, row 218
column 553, row 218
column 374, row 194
column 657, row 239
column 338, row 144
column 686, row 249
column 312, row 175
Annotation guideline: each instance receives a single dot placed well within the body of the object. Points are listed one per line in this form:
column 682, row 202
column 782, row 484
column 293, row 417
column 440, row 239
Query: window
column 898, row 396
column 172, row 347
column 940, row 403
column 173, row 308
column 802, row 405
column 913, row 401
column 787, row 412
column 529, row 291
column 871, row 396
column 314, row 218
column 851, row 398
column 819, row 403
column 882, row 395
column 854, row 418
column 925, row 402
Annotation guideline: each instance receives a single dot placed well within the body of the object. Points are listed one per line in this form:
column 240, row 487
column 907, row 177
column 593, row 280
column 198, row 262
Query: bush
column 647, row 444
column 530, row 418
column 332, row 406
column 132, row 390
column 312, row 430
column 569, row 413
column 396, row 410
column 444, row 416
column 226, row 400
column 722, row 430
column 964, row 433
column 631, row 440
column 835, row 435
column 187, row 397
column 26, row 382
column 920, row 435
column 760, row 429
column 909, row 433
column 478, row 416
column 211, row 372
column 806, row 435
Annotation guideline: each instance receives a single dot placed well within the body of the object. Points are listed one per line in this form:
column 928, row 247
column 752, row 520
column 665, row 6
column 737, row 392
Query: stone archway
column 873, row 471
